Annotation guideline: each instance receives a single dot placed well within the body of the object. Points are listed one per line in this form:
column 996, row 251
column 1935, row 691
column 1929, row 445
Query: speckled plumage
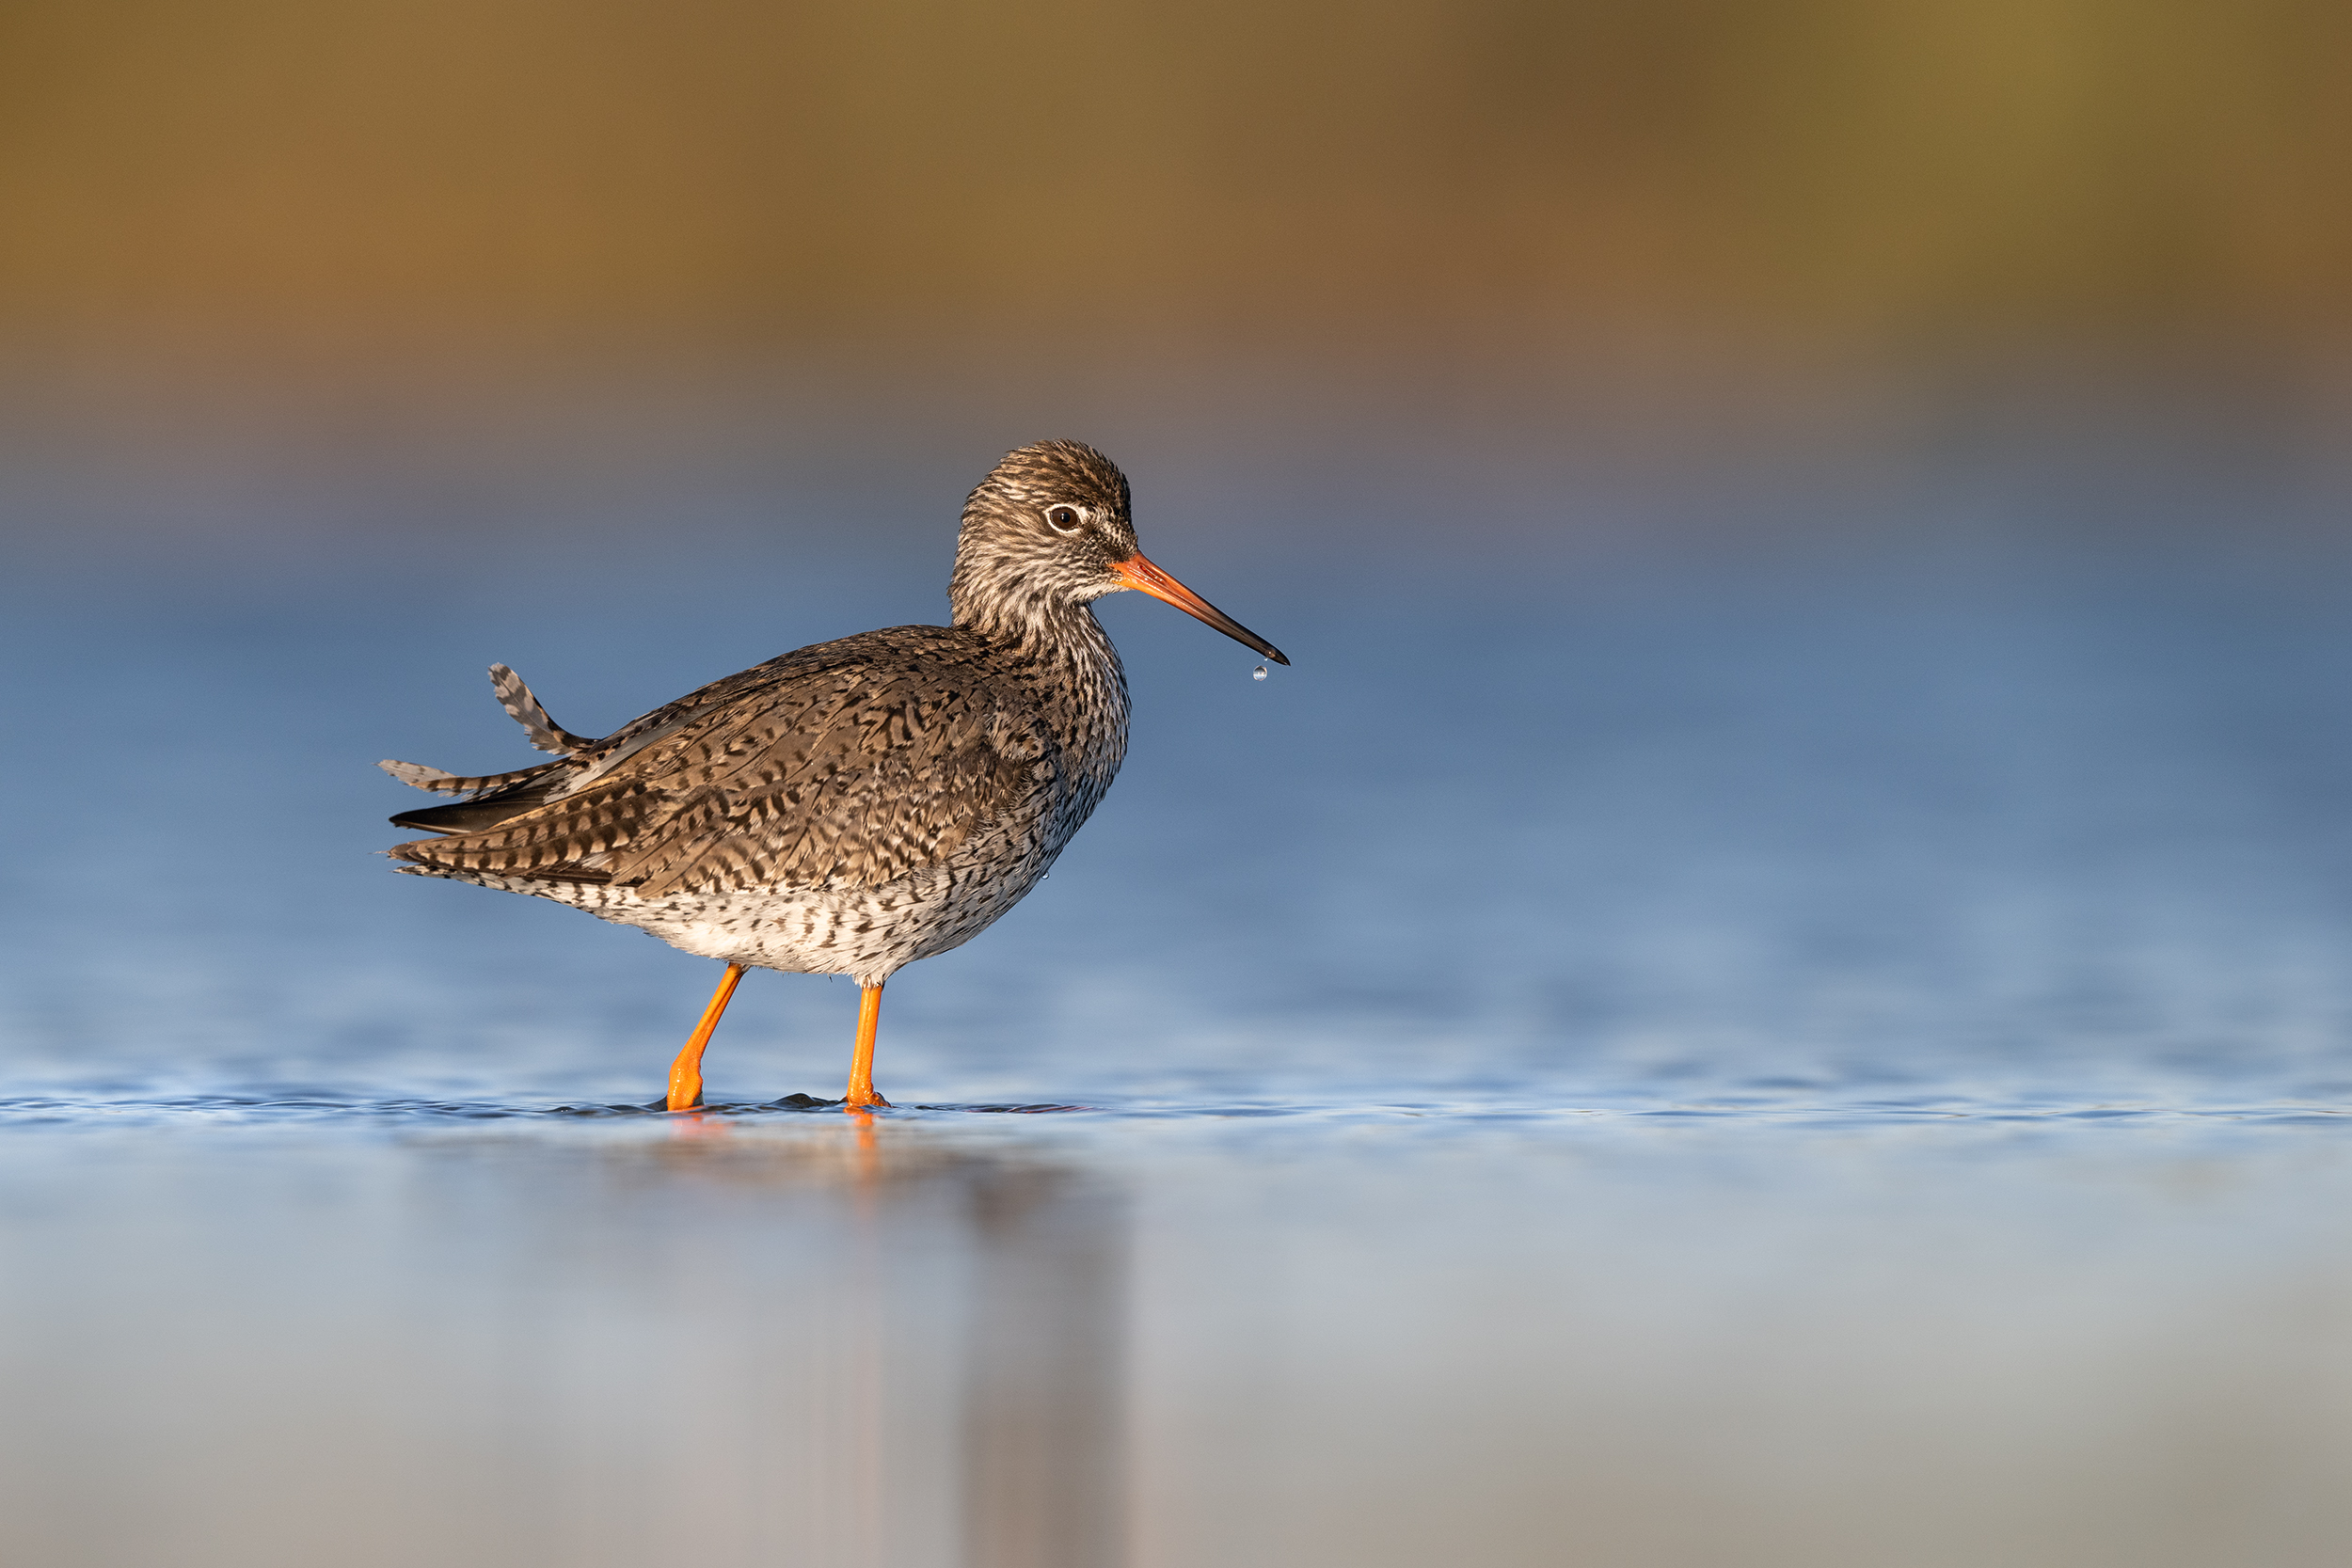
column 852, row 806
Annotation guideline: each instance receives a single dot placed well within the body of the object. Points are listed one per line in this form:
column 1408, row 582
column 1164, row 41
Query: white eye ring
column 1065, row 519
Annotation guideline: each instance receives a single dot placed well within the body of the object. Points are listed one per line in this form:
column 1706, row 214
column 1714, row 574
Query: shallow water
column 1655, row 1066
column 255, row 1333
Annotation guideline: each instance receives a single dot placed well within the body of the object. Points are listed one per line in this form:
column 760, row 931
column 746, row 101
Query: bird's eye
column 1064, row 519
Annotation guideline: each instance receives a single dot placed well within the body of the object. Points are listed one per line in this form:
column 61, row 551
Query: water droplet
column 1259, row 673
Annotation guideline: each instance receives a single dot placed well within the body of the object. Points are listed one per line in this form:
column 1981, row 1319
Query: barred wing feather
column 852, row 775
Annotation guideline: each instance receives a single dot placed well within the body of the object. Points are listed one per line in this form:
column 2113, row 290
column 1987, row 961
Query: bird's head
column 1050, row 529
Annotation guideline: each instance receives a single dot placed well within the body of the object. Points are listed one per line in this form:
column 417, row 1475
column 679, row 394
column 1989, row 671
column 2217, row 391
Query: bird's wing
column 848, row 771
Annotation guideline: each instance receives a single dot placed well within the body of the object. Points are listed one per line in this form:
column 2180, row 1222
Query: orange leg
column 861, row 1060
column 685, row 1073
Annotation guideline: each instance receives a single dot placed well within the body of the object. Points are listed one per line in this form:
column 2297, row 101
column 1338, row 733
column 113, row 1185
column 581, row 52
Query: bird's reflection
column 1010, row 1267
column 1041, row 1371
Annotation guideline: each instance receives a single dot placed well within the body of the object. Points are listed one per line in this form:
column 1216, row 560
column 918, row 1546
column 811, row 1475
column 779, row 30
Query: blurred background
column 1821, row 174
column 1730, row 475
column 1788, row 922
column 464, row 267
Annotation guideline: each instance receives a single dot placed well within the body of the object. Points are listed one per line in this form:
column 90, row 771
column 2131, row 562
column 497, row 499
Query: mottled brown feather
column 851, row 764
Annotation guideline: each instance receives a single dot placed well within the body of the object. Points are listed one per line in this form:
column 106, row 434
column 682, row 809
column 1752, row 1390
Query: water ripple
column 359, row 1111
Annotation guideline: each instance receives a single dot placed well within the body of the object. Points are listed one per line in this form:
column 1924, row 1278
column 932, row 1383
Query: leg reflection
column 1042, row 1418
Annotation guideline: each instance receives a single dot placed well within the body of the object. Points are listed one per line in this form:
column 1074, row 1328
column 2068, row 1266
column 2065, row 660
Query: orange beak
column 1136, row 572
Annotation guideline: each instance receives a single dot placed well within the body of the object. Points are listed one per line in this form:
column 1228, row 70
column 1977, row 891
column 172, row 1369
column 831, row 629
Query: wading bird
column 858, row 804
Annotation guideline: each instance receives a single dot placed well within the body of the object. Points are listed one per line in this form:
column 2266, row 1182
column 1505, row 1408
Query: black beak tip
column 1276, row 654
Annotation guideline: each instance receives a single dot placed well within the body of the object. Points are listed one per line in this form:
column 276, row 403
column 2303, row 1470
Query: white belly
column 865, row 933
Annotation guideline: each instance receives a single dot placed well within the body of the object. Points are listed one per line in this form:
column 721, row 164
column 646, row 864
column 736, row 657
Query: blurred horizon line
column 151, row 465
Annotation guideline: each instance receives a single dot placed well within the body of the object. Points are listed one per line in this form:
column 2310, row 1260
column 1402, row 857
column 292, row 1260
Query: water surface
column 1831, row 1063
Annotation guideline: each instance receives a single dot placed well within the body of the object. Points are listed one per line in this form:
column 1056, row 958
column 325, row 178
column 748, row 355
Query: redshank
column 856, row 805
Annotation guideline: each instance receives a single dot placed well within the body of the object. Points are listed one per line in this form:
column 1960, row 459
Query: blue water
column 1827, row 1056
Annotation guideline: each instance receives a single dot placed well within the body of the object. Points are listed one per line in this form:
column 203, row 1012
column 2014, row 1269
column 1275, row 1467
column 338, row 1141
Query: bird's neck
column 1065, row 638
column 1069, row 653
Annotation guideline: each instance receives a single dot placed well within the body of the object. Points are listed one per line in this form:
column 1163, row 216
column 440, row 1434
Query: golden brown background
column 238, row 174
